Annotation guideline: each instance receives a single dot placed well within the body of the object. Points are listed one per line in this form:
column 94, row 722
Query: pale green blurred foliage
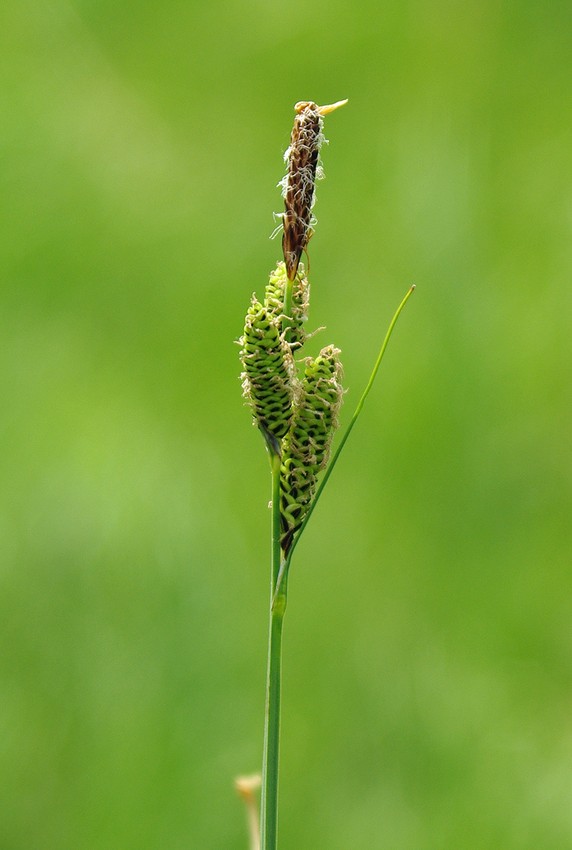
column 141, row 147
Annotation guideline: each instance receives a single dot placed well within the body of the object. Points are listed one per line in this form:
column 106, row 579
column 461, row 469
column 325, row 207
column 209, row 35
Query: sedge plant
column 295, row 402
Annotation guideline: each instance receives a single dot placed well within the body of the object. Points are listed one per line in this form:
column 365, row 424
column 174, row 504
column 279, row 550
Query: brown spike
column 299, row 182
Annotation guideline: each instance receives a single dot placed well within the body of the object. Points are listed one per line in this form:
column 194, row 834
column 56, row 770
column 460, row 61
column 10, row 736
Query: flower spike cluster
column 296, row 413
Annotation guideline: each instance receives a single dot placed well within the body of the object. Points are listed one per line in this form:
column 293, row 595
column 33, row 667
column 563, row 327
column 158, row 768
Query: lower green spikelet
column 268, row 379
column 306, row 447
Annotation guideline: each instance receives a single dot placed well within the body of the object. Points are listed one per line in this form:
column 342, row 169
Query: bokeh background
column 428, row 641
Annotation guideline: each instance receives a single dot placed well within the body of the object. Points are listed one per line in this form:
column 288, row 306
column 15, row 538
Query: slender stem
column 270, row 761
column 269, row 801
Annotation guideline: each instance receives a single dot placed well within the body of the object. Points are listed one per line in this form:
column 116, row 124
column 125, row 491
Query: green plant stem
column 271, row 755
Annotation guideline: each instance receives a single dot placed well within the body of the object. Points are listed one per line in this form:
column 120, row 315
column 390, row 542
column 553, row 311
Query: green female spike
column 307, row 445
column 274, row 299
column 268, row 378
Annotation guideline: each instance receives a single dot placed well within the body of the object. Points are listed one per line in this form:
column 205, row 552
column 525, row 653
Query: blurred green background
column 428, row 641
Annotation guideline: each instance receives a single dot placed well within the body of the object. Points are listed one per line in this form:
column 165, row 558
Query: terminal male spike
column 298, row 185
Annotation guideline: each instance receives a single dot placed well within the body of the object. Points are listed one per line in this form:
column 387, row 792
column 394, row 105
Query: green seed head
column 274, row 302
column 307, row 445
column 318, row 419
column 268, row 378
